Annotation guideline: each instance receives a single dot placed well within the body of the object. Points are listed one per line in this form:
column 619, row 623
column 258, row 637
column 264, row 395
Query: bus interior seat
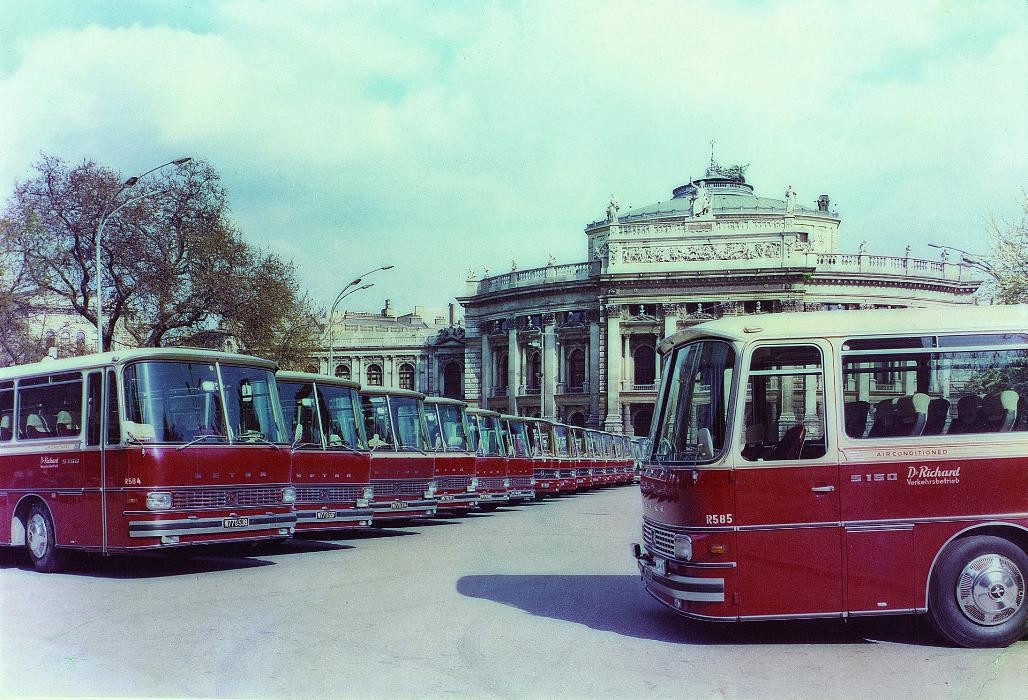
column 911, row 415
column 938, row 411
column 855, row 414
column 791, row 444
column 5, row 428
column 968, row 414
column 885, row 411
column 35, row 427
column 63, row 425
column 999, row 411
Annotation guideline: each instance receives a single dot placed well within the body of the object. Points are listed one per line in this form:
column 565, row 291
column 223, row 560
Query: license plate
column 398, row 504
column 446, row 497
column 325, row 514
column 235, row 522
column 660, row 566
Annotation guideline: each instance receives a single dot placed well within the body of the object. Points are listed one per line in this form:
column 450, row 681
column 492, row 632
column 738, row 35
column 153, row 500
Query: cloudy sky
column 447, row 136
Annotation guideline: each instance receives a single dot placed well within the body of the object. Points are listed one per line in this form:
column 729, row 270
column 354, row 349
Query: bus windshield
column 693, row 423
column 407, row 421
column 489, row 444
column 519, row 437
column 340, row 408
column 453, row 436
column 298, row 410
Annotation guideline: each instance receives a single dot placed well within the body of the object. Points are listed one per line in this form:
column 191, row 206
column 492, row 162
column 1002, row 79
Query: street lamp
column 104, row 216
column 343, row 293
column 970, row 260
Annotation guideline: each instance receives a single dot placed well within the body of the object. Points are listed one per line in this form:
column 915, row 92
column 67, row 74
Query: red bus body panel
column 329, row 486
column 399, row 480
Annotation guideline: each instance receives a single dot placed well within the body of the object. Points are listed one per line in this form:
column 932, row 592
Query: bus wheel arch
column 977, row 588
column 39, row 535
column 20, row 518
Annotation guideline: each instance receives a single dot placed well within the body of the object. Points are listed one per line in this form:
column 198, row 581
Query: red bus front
column 520, row 467
column 402, row 468
column 545, row 464
column 331, row 464
column 494, row 484
column 455, row 463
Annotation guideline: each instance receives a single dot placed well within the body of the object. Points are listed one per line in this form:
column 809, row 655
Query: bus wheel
column 977, row 593
column 39, row 535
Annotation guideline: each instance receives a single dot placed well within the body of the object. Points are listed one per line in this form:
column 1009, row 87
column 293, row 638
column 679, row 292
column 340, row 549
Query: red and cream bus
column 842, row 464
column 547, row 468
column 490, row 458
column 402, row 468
column 331, row 464
column 455, row 462
column 582, row 457
column 626, row 459
column 520, row 465
column 141, row 449
column 567, row 467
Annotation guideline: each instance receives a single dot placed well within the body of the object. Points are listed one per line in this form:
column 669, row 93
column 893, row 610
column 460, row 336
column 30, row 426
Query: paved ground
column 537, row 601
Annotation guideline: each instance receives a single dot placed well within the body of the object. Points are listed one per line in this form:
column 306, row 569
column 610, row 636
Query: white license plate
column 446, row 497
column 397, row 505
column 325, row 514
column 235, row 522
column 660, row 566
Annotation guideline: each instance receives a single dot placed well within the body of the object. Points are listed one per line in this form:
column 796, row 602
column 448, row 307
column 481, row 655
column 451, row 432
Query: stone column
column 788, row 416
column 513, row 369
column 420, row 378
column 627, row 419
column 612, row 422
column 487, row 371
column 357, row 371
column 628, row 363
column 390, row 370
column 864, row 383
column 670, row 321
column 592, row 368
column 549, row 380
column 562, row 373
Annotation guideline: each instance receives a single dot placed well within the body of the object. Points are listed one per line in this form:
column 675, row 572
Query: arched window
column 576, row 370
column 577, row 419
column 406, row 373
column 343, row 371
column 311, row 369
column 500, row 376
column 534, row 363
column 645, row 365
column 451, row 379
column 374, row 375
column 641, row 422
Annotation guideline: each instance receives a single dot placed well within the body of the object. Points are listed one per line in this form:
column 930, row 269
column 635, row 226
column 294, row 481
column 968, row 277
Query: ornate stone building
column 577, row 342
column 398, row 350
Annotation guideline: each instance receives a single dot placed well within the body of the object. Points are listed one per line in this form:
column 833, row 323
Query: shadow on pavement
column 619, row 604
column 173, row 562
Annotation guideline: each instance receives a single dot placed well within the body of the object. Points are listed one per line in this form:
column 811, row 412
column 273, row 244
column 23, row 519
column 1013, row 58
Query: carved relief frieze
column 701, row 252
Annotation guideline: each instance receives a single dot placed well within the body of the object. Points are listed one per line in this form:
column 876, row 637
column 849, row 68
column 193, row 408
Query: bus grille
column 490, row 482
column 227, row 498
column 521, row 482
column 659, row 541
column 453, row 482
column 328, row 494
column 414, row 488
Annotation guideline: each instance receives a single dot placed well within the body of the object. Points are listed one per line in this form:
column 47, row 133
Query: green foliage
column 1009, row 262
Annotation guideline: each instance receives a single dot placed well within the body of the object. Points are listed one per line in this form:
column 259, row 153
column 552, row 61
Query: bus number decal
column 858, row 478
column 133, row 481
column 719, row 518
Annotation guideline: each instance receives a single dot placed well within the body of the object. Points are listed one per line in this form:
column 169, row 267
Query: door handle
column 822, row 489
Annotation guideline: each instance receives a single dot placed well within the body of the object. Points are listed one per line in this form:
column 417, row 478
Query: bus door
column 786, row 487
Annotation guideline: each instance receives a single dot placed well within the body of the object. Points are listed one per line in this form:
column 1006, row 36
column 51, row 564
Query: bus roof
column 120, row 357
column 319, row 378
column 390, row 391
column 445, row 400
column 482, row 412
column 830, row 324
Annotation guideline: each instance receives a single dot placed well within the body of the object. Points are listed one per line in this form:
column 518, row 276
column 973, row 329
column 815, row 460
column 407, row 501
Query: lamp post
column 105, row 214
column 343, row 293
column 970, row 260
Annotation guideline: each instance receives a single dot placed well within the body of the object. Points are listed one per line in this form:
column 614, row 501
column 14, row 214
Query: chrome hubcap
column 37, row 536
column 990, row 589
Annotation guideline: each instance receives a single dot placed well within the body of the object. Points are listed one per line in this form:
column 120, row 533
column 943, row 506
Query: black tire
column 977, row 592
column 41, row 542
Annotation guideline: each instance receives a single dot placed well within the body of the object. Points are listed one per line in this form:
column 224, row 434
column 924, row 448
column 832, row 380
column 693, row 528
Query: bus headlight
column 368, row 493
column 431, row 489
column 158, row 500
column 506, row 483
column 289, row 495
column 531, row 481
column 683, row 547
column 473, row 484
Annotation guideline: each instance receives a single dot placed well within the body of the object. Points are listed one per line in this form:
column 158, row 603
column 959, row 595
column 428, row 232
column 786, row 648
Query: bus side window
column 113, row 415
column 785, row 404
column 94, row 408
column 6, row 411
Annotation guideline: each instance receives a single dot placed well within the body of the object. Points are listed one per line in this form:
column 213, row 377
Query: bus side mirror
column 705, row 443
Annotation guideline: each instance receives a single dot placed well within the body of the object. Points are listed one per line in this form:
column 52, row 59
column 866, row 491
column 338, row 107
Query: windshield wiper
column 412, row 447
column 342, row 446
column 200, row 438
column 295, row 446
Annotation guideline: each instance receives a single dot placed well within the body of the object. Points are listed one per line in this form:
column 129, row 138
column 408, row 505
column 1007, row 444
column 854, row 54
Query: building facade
column 407, row 351
column 577, row 343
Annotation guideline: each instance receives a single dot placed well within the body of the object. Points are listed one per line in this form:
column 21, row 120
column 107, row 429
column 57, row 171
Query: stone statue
column 945, row 256
column 906, row 251
column 513, row 265
column 701, row 202
column 552, row 261
column 862, row 250
column 790, row 200
column 612, row 211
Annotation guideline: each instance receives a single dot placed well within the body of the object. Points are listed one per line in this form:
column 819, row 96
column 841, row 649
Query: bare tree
column 1009, row 261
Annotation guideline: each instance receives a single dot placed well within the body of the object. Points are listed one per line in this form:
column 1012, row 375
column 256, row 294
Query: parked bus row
column 162, row 448
column 844, row 464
